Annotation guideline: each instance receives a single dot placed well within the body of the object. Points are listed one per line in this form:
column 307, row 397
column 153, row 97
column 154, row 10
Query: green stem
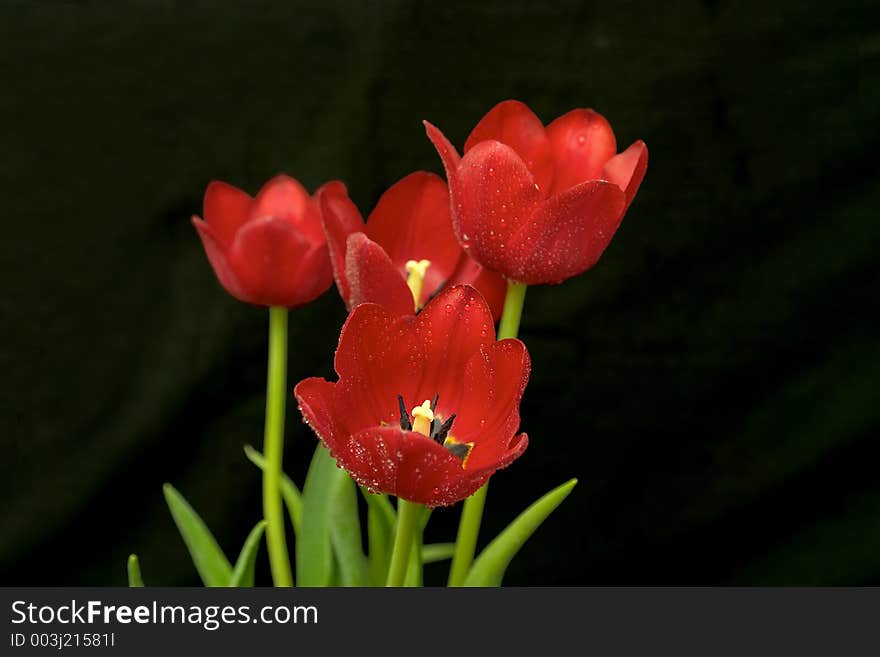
column 508, row 327
column 273, row 447
column 408, row 515
column 472, row 512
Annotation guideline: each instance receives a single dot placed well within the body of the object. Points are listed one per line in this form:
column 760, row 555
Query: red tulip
column 539, row 205
column 406, row 251
column 426, row 407
column 269, row 250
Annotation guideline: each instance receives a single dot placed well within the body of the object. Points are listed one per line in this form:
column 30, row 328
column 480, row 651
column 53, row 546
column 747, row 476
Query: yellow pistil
column 422, row 418
column 415, row 278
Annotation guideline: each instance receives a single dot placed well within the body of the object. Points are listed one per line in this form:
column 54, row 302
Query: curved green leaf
column 379, row 537
column 134, row 572
column 243, row 573
column 434, row 552
column 345, row 535
column 381, row 521
column 488, row 569
column 289, row 490
column 313, row 550
column 382, row 505
column 209, row 560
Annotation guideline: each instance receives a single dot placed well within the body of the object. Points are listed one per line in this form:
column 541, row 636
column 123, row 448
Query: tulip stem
column 472, row 511
column 408, row 515
column 514, row 300
column 273, row 447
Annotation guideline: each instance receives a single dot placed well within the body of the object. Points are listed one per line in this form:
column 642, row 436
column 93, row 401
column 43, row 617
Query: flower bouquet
column 425, row 405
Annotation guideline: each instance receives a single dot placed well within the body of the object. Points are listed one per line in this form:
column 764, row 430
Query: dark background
column 712, row 382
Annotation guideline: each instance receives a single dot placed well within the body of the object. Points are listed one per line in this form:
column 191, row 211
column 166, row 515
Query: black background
column 712, row 382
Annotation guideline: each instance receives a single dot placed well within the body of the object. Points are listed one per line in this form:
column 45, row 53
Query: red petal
column 315, row 275
column 494, row 197
column 340, row 218
column 373, row 278
column 266, row 256
column 628, row 169
column 217, row 257
column 285, row 198
column 226, row 209
column 568, row 233
column 445, row 150
column 493, row 384
column 413, row 467
column 377, row 359
column 315, row 398
column 407, row 465
column 451, row 328
column 514, row 124
column 491, row 285
column 411, row 222
column 582, row 142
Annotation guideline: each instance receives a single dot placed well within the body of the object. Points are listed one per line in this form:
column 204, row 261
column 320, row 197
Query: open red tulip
column 426, row 407
column 269, row 250
column 406, row 251
column 539, row 205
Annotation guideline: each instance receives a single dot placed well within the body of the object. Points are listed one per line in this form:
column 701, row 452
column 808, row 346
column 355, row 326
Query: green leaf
column 433, row 552
column 382, row 505
column 488, row 569
column 243, row 574
column 209, row 560
column 345, row 535
column 313, row 548
column 134, row 572
column 289, row 490
column 381, row 519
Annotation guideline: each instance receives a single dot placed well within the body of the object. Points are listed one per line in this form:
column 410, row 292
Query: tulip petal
column 494, row 197
column 627, row 169
column 492, row 285
column 514, row 124
column 373, row 278
column 340, row 218
column 451, row 328
column 494, row 381
column 411, row 221
column 408, row 465
column 315, row 274
column 217, row 257
column 377, row 359
column 285, row 198
column 567, row 234
column 448, row 155
column 315, row 398
column 267, row 256
column 226, row 209
column 582, row 141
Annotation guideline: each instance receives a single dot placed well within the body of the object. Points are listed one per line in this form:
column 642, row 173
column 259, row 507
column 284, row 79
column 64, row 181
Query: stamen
column 461, row 450
column 443, row 431
column 415, row 278
column 434, row 402
column 405, row 424
column 422, row 418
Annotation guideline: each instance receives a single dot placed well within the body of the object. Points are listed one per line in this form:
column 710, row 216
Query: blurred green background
column 712, row 382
